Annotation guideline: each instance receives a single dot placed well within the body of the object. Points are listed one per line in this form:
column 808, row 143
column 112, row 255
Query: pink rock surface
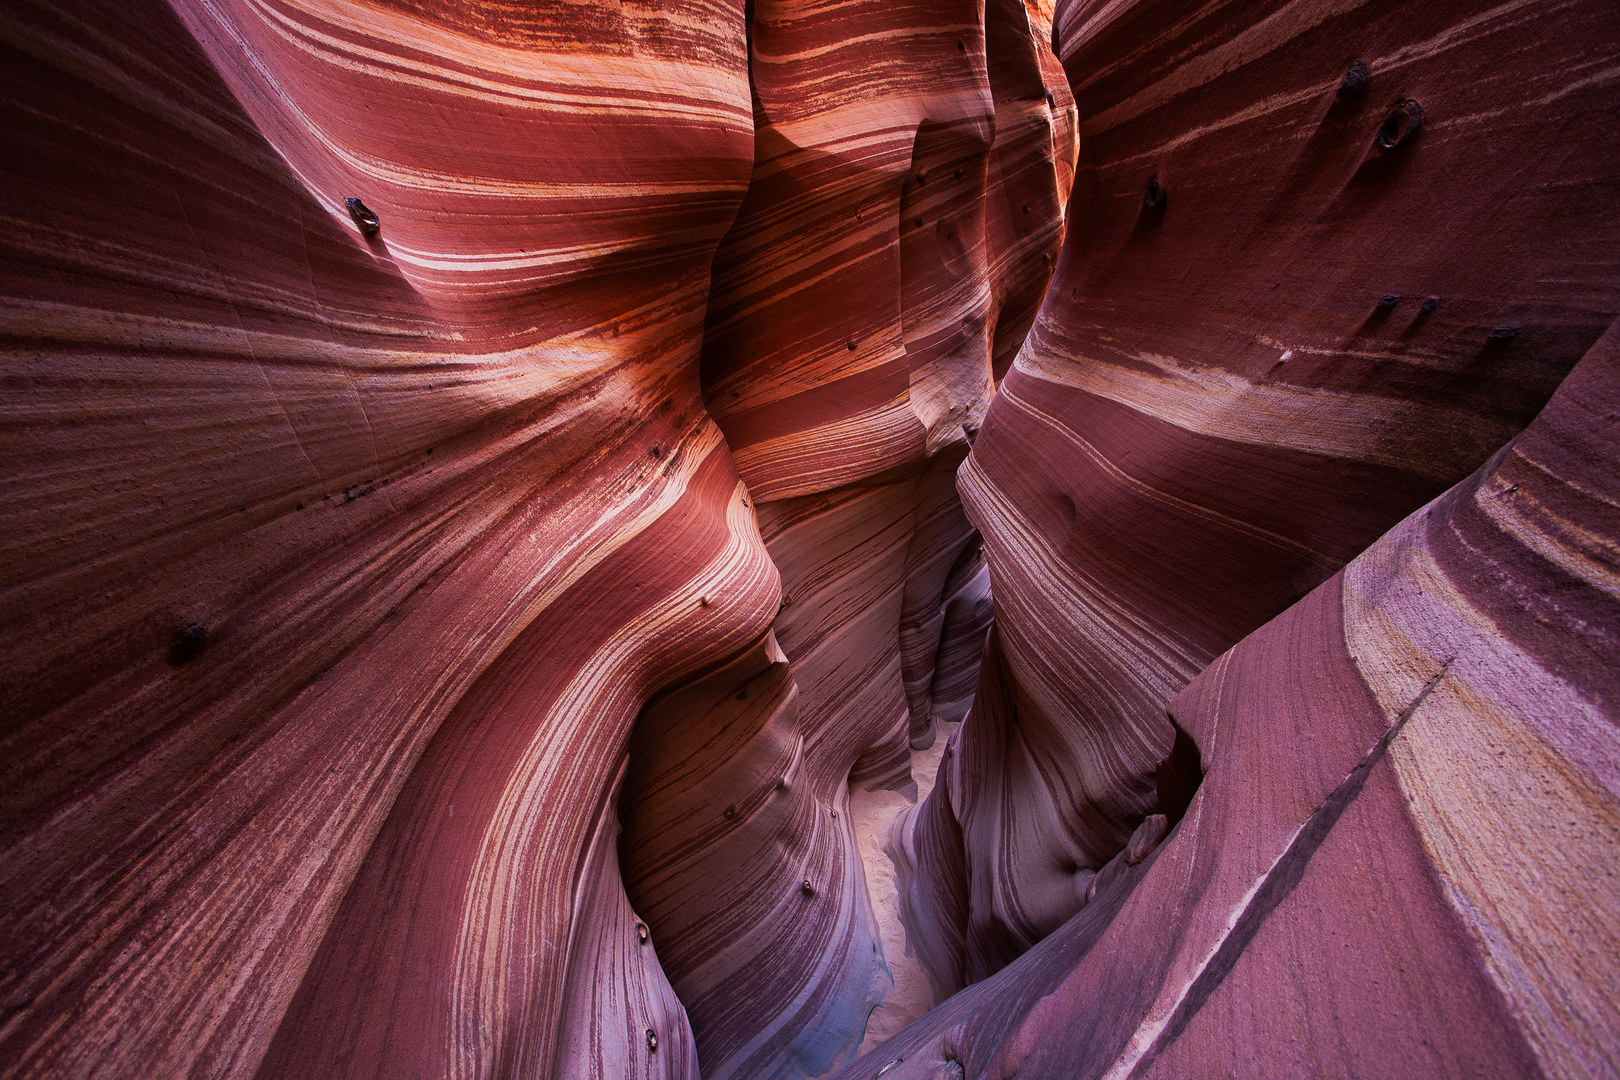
column 339, row 567
column 1213, row 413
column 1400, row 858
column 318, row 546
column 445, row 649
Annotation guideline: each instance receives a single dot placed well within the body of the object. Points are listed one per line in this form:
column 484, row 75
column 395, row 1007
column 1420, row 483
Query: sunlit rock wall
column 357, row 586
column 1269, row 339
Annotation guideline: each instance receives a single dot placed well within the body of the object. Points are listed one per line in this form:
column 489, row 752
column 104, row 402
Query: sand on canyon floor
column 873, row 814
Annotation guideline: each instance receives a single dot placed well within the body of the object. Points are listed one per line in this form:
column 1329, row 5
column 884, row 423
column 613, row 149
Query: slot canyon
column 778, row 539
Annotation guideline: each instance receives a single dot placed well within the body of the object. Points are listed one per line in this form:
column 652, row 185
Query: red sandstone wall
column 1399, row 860
column 431, row 501
column 1214, row 413
column 339, row 568
column 1390, row 866
column 357, row 590
column 847, row 354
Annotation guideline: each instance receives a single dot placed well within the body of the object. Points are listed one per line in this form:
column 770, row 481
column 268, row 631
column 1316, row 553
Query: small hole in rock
column 363, row 216
column 1401, row 124
column 1154, row 197
column 188, row 643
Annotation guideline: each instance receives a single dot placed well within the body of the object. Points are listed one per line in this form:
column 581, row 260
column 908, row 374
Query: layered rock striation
column 484, row 480
column 339, row 566
column 1269, row 339
column 366, row 570
column 1391, row 817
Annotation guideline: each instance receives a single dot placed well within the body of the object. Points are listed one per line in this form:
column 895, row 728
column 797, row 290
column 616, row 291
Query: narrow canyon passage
column 760, row 540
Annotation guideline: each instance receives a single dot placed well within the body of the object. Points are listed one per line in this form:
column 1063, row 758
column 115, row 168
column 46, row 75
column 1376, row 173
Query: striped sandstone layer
column 446, row 651
column 912, row 164
column 1394, row 818
column 338, row 568
column 357, row 586
column 1236, row 387
column 847, row 358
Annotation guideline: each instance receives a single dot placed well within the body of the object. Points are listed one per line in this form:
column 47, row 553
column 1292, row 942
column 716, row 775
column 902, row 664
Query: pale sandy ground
column 873, row 812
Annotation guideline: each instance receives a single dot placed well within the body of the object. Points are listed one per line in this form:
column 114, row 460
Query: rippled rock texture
column 365, row 575
column 1391, row 818
column 442, row 644
column 1269, row 343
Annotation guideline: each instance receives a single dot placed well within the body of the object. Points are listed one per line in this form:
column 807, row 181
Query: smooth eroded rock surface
column 1398, row 858
column 1238, row 382
column 366, row 569
column 498, row 498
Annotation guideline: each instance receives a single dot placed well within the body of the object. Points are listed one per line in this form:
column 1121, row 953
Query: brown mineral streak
column 500, row 498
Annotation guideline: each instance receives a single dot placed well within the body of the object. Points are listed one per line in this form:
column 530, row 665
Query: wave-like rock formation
column 1269, row 339
column 367, row 564
column 1392, row 818
column 339, row 566
column 484, row 479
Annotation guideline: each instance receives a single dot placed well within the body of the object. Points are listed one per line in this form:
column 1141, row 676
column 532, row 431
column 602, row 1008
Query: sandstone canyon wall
column 445, row 649
column 1396, row 856
column 1269, row 340
column 340, row 564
